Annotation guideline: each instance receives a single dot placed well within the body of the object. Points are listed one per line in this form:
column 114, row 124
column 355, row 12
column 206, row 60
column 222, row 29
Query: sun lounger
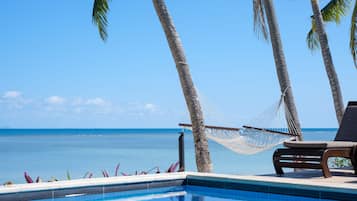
column 315, row 154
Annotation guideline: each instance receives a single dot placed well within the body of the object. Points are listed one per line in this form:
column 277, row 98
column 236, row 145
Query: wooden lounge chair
column 315, row 154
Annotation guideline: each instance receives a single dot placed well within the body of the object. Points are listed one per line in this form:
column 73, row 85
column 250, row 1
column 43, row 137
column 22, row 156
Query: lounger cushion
column 319, row 144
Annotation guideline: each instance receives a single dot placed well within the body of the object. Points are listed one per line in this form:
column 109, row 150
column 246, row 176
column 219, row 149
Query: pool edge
column 116, row 184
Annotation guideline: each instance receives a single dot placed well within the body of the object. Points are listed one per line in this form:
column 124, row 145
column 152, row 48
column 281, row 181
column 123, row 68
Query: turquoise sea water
column 53, row 152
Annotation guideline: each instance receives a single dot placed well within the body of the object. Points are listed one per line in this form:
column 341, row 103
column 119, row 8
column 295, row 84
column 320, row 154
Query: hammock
column 254, row 139
column 245, row 140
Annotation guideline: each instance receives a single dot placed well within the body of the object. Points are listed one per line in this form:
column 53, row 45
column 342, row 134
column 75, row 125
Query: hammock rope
column 254, row 139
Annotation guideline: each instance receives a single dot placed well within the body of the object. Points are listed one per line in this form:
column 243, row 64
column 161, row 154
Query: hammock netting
column 271, row 128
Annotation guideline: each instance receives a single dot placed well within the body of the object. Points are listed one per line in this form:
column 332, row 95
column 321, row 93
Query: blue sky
column 56, row 72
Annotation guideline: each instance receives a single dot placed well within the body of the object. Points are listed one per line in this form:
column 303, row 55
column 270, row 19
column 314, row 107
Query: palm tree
column 353, row 35
column 325, row 50
column 333, row 12
column 203, row 161
column 264, row 12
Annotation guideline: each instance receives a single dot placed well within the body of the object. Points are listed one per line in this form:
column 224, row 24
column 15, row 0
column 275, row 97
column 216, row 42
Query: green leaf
column 260, row 25
column 312, row 39
column 99, row 17
column 68, row 175
column 332, row 12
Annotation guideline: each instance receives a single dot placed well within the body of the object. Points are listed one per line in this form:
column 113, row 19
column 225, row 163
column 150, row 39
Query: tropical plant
column 68, row 175
column 203, row 160
column 88, row 175
column 317, row 37
column 29, row 179
column 353, row 35
column 265, row 23
column 333, row 11
column 339, row 162
column 156, row 170
column 106, row 174
column 172, row 168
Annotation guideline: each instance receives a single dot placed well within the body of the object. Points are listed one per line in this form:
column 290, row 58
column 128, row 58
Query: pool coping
column 342, row 187
column 80, row 183
column 287, row 186
column 276, row 185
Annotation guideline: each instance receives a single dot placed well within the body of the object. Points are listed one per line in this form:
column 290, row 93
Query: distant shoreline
column 111, row 131
column 126, row 128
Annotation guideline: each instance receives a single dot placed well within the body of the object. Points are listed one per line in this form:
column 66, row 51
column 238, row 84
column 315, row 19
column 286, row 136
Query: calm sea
column 52, row 152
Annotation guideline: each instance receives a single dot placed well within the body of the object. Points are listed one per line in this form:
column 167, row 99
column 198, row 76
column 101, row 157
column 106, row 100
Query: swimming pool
column 182, row 186
column 185, row 193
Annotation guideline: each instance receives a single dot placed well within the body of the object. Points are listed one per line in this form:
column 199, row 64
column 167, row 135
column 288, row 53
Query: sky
column 55, row 71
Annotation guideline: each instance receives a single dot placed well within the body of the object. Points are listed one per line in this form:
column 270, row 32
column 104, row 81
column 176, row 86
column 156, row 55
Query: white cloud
column 150, row 107
column 77, row 101
column 14, row 100
column 12, row 94
column 78, row 105
column 97, row 101
column 55, row 100
column 78, row 110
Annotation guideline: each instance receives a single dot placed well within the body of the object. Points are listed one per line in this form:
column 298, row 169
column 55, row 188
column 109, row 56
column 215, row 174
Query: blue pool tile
column 339, row 196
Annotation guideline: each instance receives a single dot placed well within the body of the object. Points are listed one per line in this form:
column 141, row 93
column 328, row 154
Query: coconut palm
column 203, row 161
column 353, row 35
column 265, row 23
column 334, row 10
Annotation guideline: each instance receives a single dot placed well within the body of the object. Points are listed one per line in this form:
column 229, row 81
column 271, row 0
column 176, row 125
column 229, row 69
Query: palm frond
column 260, row 25
column 99, row 17
column 353, row 37
column 332, row 12
column 312, row 40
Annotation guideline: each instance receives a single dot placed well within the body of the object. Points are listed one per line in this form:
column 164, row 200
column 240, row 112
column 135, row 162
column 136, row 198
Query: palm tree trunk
column 203, row 161
column 326, row 54
column 353, row 36
column 281, row 67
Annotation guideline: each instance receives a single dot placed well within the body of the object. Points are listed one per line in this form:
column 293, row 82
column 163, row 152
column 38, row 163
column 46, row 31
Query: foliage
column 68, row 175
column 156, row 170
column 88, row 175
column 173, row 167
column 332, row 12
column 353, row 35
column 260, row 24
column 339, row 162
column 99, row 17
column 29, row 179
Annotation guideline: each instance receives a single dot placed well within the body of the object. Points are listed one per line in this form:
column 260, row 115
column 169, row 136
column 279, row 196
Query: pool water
column 185, row 193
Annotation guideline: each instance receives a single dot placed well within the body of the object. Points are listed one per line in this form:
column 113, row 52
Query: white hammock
column 251, row 140
column 246, row 140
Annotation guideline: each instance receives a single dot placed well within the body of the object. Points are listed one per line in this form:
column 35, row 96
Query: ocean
column 51, row 153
